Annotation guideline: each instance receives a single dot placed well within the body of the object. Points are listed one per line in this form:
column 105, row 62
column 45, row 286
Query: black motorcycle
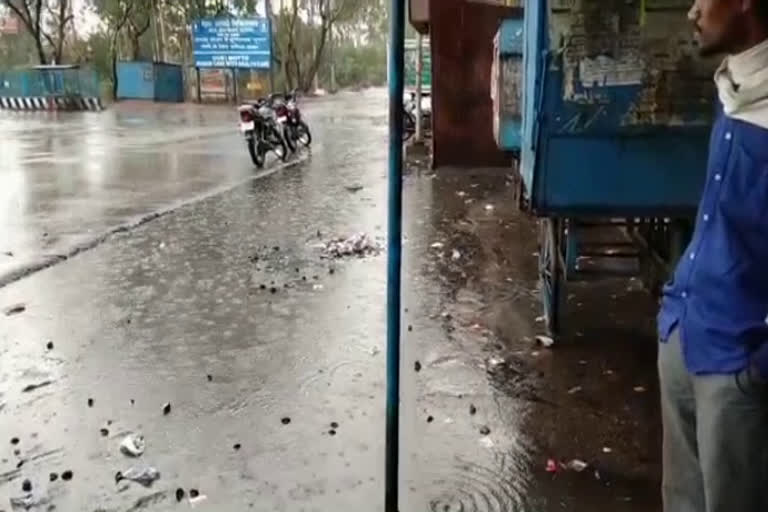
column 296, row 130
column 259, row 126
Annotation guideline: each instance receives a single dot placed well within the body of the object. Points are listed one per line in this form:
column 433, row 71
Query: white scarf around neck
column 742, row 85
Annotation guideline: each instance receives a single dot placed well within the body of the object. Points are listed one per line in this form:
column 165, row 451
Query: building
column 462, row 38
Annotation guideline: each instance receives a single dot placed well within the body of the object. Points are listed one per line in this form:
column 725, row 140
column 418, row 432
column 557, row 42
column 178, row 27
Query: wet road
column 227, row 309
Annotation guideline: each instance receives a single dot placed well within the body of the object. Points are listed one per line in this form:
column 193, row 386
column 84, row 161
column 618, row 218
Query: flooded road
column 270, row 354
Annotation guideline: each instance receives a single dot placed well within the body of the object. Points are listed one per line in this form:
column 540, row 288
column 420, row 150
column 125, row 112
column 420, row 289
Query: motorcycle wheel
column 278, row 144
column 257, row 153
column 303, row 135
column 409, row 125
column 289, row 140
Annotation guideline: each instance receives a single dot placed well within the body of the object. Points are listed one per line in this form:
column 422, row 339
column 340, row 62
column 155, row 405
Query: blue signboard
column 233, row 43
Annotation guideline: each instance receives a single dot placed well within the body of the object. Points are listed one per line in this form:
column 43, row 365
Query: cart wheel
column 550, row 272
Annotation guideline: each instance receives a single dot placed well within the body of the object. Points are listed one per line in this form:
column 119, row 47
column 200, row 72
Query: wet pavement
column 271, row 355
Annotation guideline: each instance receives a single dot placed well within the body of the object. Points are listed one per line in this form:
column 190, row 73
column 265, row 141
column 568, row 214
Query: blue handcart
column 617, row 108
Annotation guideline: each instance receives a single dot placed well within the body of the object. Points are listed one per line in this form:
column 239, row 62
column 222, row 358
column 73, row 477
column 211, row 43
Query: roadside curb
column 35, row 103
column 48, row 261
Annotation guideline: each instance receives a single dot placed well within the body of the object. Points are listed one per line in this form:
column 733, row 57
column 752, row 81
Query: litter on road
column 133, row 445
column 545, row 341
column 34, row 387
column 574, row 390
column 15, row 309
column 577, row 465
column 360, row 244
column 167, row 409
column 144, row 475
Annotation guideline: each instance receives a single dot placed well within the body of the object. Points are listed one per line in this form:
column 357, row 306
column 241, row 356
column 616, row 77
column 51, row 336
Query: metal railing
column 49, row 83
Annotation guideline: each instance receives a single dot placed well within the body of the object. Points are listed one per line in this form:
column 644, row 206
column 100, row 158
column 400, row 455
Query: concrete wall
column 462, row 35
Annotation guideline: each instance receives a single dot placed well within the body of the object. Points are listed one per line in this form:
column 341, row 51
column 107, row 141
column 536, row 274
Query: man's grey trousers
column 715, row 438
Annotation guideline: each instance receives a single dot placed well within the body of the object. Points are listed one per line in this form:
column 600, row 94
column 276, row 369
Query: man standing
column 713, row 359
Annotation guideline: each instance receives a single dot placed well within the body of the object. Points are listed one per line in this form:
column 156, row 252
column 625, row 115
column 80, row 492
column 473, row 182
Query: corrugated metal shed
column 157, row 81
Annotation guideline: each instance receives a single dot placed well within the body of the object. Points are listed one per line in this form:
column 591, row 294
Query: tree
column 46, row 21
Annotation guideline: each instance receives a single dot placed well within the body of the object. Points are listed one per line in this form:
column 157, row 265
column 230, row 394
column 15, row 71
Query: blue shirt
column 718, row 296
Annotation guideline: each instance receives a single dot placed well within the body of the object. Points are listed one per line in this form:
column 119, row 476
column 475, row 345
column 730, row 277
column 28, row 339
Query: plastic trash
column 28, row 502
column 485, row 431
column 144, row 475
column 437, row 245
column 133, row 445
column 15, row 309
column 167, row 409
column 551, row 466
column 456, row 255
column 577, row 465
column 359, row 244
column 639, row 389
column 574, row 390
column 545, row 341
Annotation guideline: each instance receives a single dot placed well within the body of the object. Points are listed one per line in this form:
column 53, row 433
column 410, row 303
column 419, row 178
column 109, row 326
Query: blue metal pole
column 394, row 250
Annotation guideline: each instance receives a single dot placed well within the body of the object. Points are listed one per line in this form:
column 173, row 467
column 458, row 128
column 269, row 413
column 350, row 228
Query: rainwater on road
column 270, row 354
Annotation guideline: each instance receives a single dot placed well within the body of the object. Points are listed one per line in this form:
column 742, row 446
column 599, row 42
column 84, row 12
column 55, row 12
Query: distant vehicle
column 409, row 113
column 259, row 126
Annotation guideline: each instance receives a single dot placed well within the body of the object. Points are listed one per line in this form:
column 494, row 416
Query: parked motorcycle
column 259, row 126
column 409, row 114
column 298, row 128
column 282, row 114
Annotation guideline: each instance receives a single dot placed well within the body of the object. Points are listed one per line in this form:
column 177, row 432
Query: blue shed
column 506, row 84
column 143, row 80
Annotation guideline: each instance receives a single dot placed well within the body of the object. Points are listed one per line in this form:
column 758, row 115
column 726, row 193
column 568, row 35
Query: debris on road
column 144, row 475
column 15, row 309
column 484, row 430
column 354, row 188
column 53, row 477
column 26, row 486
column 236, row 446
column 577, row 465
column 90, row 402
column 133, row 445
column 552, row 466
column 472, row 409
column 607, row 450
column 195, row 498
column 417, row 366
column 167, row 409
column 15, row 441
column 180, row 494
column 332, row 432
column 67, row 475
column 456, row 255
column 574, row 390
column 49, row 345
column 104, row 432
column 34, row 387
column 28, row 502
column 639, row 389
column 147, row 501
column 545, row 341
column 430, row 419
column 209, row 377
column 437, row 245
column 359, row 245
column 375, row 351
column 489, row 207
column 286, row 420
